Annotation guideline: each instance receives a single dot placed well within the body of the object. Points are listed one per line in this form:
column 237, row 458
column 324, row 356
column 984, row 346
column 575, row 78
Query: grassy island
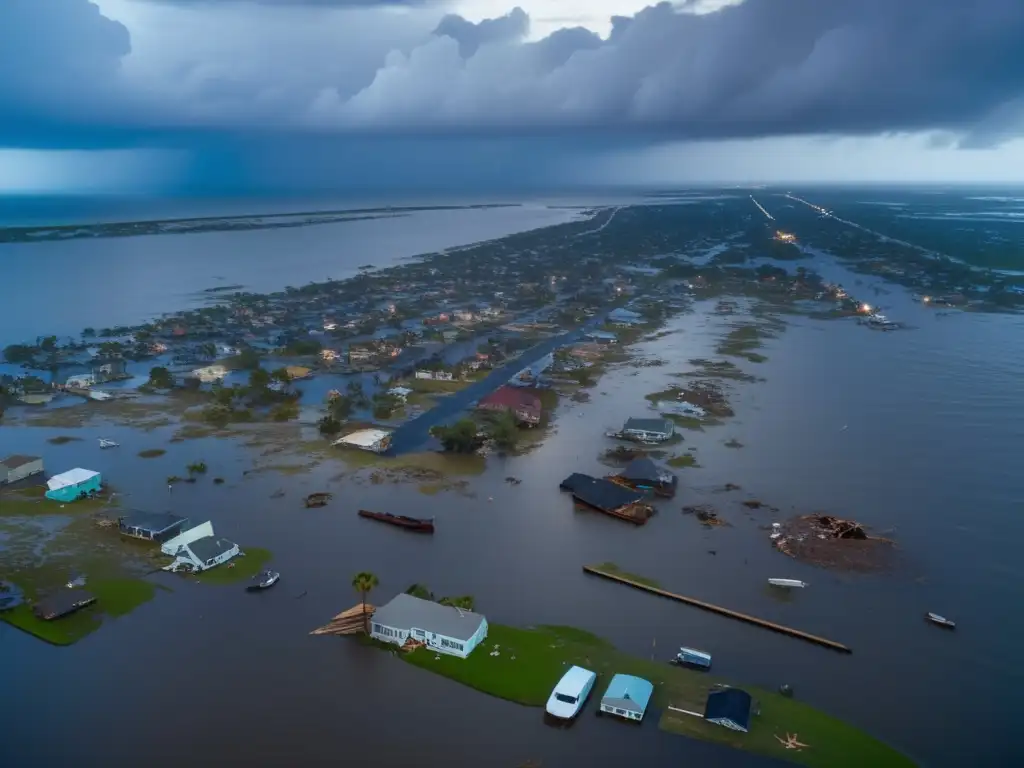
column 530, row 662
column 114, row 597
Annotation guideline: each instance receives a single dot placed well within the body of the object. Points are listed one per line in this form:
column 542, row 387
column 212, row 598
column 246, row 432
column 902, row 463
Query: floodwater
column 62, row 286
column 934, row 422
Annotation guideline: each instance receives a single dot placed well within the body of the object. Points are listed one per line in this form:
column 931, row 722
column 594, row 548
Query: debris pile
column 831, row 542
column 706, row 514
column 348, row 622
column 708, row 395
column 319, row 499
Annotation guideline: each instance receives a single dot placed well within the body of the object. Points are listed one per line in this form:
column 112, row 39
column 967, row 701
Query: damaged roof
column 600, row 493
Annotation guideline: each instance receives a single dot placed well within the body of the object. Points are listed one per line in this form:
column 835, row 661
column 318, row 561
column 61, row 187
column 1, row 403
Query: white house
column 81, row 381
column 440, row 628
column 198, row 549
column 402, row 393
column 435, row 375
column 210, row 373
column 648, row 430
column 375, row 440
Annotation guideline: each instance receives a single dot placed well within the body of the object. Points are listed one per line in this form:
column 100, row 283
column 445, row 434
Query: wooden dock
column 724, row 611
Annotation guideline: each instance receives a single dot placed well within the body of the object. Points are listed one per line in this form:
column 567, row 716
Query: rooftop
column 406, row 612
column 17, row 460
column 573, row 681
column 209, row 547
column 157, row 522
column 364, row 438
column 631, row 688
column 71, row 477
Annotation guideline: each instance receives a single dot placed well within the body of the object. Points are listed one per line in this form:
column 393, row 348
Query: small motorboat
column 105, row 443
column 787, row 583
column 941, row 621
column 417, row 524
column 264, row 580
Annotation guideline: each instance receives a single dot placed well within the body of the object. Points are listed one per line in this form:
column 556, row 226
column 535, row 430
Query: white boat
column 104, row 443
column 787, row 583
column 691, row 657
column 942, row 621
column 569, row 696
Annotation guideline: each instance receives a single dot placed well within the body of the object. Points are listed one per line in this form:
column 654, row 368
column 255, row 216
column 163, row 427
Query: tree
column 19, row 353
column 460, row 437
column 111, row 349
column 160, row 378
column 363, row 583
column 505, row 432
column 329, row 425
column 248, row 359
column 340, row 407
column 259, row 379
column 282, row 377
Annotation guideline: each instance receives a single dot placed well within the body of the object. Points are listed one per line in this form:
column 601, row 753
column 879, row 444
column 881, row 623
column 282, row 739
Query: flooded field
column 519, row 550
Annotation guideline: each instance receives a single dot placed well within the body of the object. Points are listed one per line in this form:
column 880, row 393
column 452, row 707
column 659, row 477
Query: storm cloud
column 758, row 68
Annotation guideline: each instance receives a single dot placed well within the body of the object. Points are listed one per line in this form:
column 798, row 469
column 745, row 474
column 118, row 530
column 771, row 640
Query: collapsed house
column 642, row 474
column 608, row 497
column 198, row 549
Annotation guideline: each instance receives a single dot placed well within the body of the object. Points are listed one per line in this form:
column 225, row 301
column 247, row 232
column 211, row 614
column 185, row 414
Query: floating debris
column 706, row 514
column 319, row 499
column 831, row 542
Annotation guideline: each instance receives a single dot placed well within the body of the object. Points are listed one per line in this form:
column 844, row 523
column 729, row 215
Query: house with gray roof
column 151, row 526
column 15, row 468
column 648, row 430
column 441, row 628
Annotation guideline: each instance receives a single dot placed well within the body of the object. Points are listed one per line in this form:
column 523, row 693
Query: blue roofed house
column 627, row 696
column 729, row 707
column 73, row 485
column 441, row 628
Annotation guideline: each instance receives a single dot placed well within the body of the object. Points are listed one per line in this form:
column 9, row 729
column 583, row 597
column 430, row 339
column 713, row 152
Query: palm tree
column 363, row 583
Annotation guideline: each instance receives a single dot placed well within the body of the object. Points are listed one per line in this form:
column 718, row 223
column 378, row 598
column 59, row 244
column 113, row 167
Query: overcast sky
column 310, row 95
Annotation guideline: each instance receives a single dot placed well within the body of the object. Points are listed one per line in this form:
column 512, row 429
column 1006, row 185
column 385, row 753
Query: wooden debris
column 350, row 622
column 318, row 499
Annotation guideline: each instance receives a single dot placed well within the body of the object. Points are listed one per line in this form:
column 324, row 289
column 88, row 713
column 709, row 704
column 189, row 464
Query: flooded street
column 933, row 422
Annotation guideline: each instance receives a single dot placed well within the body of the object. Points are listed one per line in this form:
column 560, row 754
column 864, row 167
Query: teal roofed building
column 627, row 697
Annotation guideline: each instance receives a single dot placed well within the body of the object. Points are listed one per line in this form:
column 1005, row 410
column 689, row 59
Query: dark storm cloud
column 511, row 27
column 761, row 68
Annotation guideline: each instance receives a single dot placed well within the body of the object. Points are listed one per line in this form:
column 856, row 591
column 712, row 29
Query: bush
column 285, row 411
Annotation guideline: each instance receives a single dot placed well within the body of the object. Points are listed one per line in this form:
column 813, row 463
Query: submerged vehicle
column 570, row 694
column 691, row 657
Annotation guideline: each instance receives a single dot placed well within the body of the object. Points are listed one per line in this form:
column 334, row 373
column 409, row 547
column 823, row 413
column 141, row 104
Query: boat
column 787, row 583
column 941, row 621
column 570, row 694
column 267, row 579
column 417, row 524
column 691, row 657
column 105, row 443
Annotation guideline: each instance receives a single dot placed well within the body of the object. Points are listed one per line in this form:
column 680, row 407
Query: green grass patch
column 245, row 567
column 742, row 340
column 63, row 440
column 151, row 453
column 614, row 570
column 434, row 461
column 114, row 597
column 27, row 502
column 433, row 386
column 672, row 393
column 686, row 422
column 531, row 661
column 682, row 461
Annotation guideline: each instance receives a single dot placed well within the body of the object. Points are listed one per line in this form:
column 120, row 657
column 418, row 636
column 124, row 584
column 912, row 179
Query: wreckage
column 831, row 542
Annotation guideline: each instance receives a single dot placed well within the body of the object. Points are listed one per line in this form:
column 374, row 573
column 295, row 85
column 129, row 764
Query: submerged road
column 415, row 433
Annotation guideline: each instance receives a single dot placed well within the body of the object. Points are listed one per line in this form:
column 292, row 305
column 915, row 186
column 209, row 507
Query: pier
column 719, row 609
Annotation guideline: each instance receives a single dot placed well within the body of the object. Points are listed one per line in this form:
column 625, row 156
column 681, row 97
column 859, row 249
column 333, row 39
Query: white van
column 569, row 696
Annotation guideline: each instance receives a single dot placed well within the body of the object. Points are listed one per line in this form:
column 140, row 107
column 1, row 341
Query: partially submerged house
column 151, row 526
column 18, row 467
column 627, row 696
column 62, row 603
column 375, row 440
column 73, row 485
column 525, row 406
column 608, row 497
column 198, row 549
column 648, row 430
column 402, row 393
column 210, row 373
column 441, row 628
column 729, row 707
column 642, row 474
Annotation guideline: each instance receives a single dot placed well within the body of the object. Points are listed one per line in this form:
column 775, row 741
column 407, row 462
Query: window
column 565, row 698
column 620, row 711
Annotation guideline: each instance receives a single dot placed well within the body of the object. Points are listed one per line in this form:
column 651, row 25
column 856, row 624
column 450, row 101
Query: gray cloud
column 760, row 68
